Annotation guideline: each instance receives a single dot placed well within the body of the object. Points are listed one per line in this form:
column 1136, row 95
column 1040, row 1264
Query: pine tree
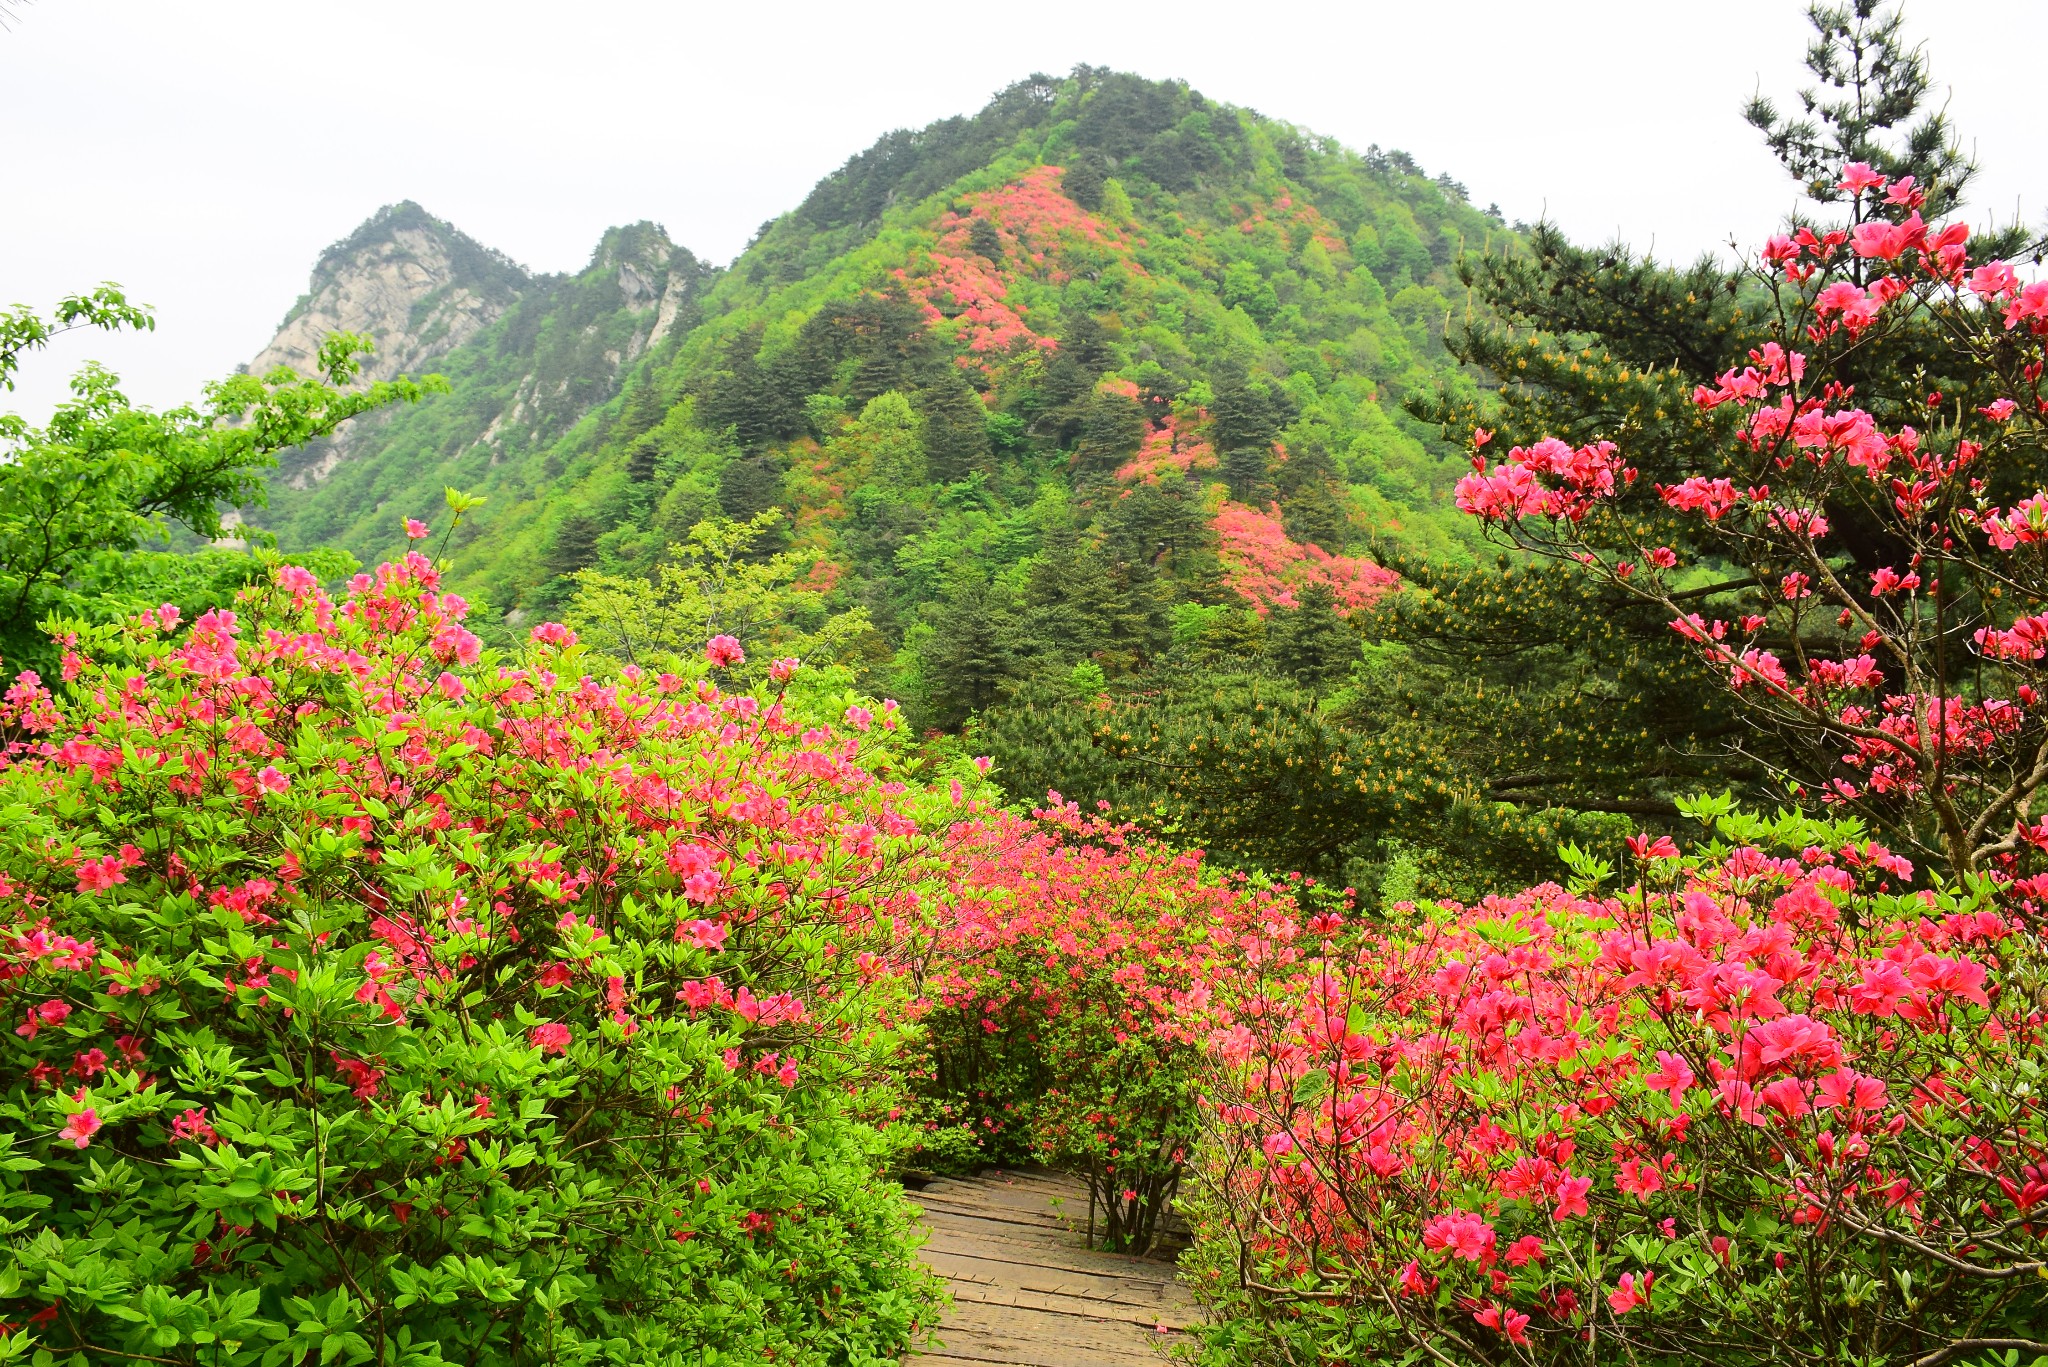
column 1084, row 181
column 1588, row 700
column 1112, row 429
column 1245, row 419
column 574, row 545
column 1244, row 473
column 744, row 398
column 1318, row 514
column 1314, row 506
column 1869, row 104
column 984, row 240
column 955, row 428
column 1309, row 641
column 971, row 653
column 749, row 486
column 1086, row 341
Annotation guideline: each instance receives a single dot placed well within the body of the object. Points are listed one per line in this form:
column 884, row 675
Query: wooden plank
column 1024, row 1180
column 947, row 1216
column 998, row 1216
column 1018, row 1253
column 999, row 1209
column 986, row 1267
column 1155, row 1317
column 1023, row 1188
column 990, row 1330
column 1017, row 1238
column 977, row 1350
column 970, row 1351
column 1056, row 1249
column 1074, row 1203
column 1027, row 1292
column 1069, row 1291
column 1029, row 1338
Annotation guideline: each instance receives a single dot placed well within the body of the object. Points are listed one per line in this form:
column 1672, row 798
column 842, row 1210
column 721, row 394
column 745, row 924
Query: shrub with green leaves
column 383, row 1000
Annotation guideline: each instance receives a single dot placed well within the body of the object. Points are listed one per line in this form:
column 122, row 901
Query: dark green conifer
column 955, row 431
column 1310, row 641
column 1112, row 429
column 749, row 486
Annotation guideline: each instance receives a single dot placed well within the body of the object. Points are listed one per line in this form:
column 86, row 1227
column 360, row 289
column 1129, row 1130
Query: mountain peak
column 419, row 286
column 541, row 350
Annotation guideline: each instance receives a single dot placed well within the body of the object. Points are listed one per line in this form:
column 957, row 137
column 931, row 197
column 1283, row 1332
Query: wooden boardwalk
column 1027, row 1289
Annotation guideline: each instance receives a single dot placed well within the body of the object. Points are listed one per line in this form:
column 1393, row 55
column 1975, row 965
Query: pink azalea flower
column 1851, row 1091
column 1460, row 1233
column 1513, row 1323
column 362, row 1078
column 550, row 1037
column 97, row 875
column 1630, row 1293
column 1672, row 1077
column 1643, row 847
column 415, row 529
column 552, row 634
column 723, row 652
column 1571, row 1197
column 1636, row 1178
column 80, row 1128
column 193, row 1127
column 703, row 934
column 1994, row 281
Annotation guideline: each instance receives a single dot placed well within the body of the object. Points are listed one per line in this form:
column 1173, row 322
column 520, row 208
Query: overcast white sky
column 203, row 154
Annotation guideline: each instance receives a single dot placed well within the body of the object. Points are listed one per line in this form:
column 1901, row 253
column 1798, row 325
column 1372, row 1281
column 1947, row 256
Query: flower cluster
column 1026, row 228
column 1575, row 1126
column 1871, row 550
column 1267, row 567
column 1549, row 479
column 1169, row 446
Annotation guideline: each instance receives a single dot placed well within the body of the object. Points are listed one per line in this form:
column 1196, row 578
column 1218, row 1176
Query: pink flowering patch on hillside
column 1301, row 223
column 974, row 293
column 1036, row 225
column 1172, row 445
column 1268, row 567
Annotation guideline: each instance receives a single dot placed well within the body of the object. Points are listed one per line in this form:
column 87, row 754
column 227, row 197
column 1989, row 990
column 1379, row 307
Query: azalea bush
column 382, row 999
column 1766, row 1105
column 1778, row 1100
column 1877, row 494
column 1060, row 1007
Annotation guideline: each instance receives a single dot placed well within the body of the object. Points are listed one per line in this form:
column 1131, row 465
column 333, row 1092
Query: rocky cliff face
column 414, row 283
column 528, row 354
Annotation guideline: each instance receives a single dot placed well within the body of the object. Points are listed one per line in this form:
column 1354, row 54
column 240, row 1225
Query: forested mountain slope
column 1103, row 363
